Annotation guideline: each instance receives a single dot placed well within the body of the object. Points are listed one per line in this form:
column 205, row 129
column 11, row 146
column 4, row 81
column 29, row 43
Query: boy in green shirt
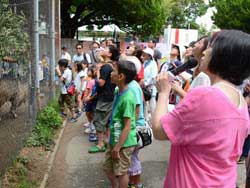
column 122, row 126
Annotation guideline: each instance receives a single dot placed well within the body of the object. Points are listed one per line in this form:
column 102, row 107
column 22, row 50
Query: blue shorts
column 90, row 106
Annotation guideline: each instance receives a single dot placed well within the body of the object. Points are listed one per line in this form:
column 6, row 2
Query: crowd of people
column 202, row 111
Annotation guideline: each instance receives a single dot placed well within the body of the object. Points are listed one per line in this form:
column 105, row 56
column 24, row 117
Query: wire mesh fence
column 19, row 98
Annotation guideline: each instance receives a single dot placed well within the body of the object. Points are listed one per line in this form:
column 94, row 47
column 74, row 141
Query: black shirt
column 106, row 92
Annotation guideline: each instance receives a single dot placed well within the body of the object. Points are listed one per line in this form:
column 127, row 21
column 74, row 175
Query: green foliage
column 49, row 117
column 185, row 12
column 232, row 14
column 143, row 17
column 23, row 160
column 14, row 42
column 41, row 136
column 48, row 120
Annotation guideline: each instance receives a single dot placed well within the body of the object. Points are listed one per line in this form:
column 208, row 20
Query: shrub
column 47, row 121
column 49, row 117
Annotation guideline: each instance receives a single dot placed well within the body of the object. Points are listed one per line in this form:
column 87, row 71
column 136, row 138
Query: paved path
column 75, row 168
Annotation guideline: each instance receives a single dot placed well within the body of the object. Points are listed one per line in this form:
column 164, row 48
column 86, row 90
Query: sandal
column 96, row 149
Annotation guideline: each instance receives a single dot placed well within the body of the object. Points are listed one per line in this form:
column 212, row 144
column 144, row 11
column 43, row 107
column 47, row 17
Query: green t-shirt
column 124, row 107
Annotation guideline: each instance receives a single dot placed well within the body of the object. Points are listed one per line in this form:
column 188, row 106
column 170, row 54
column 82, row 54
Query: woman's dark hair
column 206, row 40
column 63, row 63
column 78, row 66
column 179, row 52
column 85, row 62
column 230, row 57
column 138, row 52
column 128, row 69
column 115, row 53
column 191, row 44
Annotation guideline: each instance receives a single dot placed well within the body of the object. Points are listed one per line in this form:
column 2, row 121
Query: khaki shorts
column 120, row 166
column 102, row 115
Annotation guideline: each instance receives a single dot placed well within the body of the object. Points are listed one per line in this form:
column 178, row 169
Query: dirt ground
column 32, row 159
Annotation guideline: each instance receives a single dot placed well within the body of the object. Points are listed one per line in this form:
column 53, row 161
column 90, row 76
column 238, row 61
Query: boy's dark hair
column 115, row 53
column 64, row 48
column 78, row 65
column 63, row 63
column 128, row 69
column 230, row 57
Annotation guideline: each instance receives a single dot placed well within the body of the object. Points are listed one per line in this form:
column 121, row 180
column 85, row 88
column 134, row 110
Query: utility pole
column 52, row 45
column 36, row 49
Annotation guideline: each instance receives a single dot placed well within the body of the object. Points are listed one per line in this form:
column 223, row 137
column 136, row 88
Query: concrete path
column 74, row 167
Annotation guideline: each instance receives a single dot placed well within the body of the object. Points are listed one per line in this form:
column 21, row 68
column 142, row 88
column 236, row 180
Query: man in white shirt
column 80, row 55
column 66, row 55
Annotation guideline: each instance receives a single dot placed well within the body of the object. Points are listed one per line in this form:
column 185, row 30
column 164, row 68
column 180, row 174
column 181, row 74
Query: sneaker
column 135, row 186
column 86, row 124
column 78, row 114
column 88, row 130
column 93, row 137
column 63, row 114
column 96, row 149
column 72, row 120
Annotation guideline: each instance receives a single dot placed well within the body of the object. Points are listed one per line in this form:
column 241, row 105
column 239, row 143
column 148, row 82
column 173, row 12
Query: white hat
column 134, row 60
column 149, row 51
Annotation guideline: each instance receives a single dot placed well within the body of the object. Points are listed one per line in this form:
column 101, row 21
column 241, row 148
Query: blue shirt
column 136, row 89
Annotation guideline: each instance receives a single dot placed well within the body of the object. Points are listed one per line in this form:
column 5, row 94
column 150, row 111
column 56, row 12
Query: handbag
column 146, row 93
column 144, row 135
column 71, row 88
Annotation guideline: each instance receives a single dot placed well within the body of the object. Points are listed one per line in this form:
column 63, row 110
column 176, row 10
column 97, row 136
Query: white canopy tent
column 106, row 28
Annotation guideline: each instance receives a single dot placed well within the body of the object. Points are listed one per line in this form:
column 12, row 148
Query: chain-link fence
column 20, row 96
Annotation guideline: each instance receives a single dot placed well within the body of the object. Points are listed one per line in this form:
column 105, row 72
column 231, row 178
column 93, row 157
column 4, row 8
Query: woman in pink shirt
column 208, row 127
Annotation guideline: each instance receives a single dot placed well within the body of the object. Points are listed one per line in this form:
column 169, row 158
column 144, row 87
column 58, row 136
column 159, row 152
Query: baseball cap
column 134, row 60
column 149, row 51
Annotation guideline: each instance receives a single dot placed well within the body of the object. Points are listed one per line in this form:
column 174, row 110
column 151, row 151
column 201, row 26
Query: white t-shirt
column 85, row 71
column 67, row 75
column 81, row 57
column 78, row 78
column 66, row 55
column 201, row 79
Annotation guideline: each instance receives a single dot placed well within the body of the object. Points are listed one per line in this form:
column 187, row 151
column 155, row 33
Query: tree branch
column 79, row 11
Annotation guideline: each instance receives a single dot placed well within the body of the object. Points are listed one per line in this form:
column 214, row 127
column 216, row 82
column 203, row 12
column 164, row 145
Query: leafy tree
column 232, row 14
column 185, row 12
column 13, row 41
column 141, row 16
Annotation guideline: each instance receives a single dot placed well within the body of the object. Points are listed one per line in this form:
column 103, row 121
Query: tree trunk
column 68, row 29
column 68, row 26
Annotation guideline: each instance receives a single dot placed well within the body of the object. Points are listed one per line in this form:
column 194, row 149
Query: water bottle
column 117, row 131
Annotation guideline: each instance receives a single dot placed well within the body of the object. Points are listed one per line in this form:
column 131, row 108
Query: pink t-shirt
column 91, row 84
column 207, row 133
